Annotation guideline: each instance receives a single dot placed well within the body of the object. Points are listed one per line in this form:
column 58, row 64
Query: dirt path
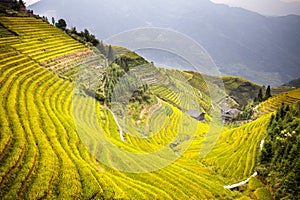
column 116, row 120
column 247, row 180
column 240, row 183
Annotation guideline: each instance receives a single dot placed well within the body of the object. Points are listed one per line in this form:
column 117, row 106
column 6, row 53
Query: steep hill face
column 242, row 43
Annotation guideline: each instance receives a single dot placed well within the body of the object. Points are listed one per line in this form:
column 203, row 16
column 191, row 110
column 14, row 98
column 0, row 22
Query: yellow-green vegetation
column 41, row 154
column 257, row 190
column 36, row 39
column 4, row 32
column 240, row 90
column 173, row 86
column 50, row 141
column 273, row 103
column 235, row 153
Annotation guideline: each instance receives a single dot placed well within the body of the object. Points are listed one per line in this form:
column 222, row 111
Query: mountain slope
column 294, row 83
column 41, row 152
column 267, row 7
column 242, row 43
column 57, row 141
column 272, row 104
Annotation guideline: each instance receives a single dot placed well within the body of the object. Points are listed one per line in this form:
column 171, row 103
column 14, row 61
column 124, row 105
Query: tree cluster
column 279, row 162
column 141, row 95
column 84, row 36
column 117, row 69
column 16, row 5
column 61, row 24
column 260, row 97
column 245, row 114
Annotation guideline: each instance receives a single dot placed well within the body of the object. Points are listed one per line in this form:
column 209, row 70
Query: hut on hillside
column 196, row 114
column 229, row 113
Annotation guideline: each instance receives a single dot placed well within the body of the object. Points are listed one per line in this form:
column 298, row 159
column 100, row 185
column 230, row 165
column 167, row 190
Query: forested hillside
column 279, row 162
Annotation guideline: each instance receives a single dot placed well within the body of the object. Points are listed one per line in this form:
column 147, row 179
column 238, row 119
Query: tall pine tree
column 260, row 95
column 268, row 93
column 101, row 48
column 110, row 54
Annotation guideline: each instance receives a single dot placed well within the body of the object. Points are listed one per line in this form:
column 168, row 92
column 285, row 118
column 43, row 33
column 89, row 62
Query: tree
column 21, row 3
column 61, row 24
column 86, row 34
column 260, row 96
column 15, row 5
column 73, row 30
column 280, row 154
column 45, row 19
column 53, row 21
column 268, row 93
column 101, row 48
column 110, row 54
column 93, row 40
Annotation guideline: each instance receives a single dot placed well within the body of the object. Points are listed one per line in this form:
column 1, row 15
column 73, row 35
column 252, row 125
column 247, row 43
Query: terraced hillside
column 235, row 153
column 37, row 39
column 42, row 155
column 51, row 138
column 273, row 103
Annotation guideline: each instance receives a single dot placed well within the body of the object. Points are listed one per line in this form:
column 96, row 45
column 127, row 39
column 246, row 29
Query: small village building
column 229, row 113
column 196, row 114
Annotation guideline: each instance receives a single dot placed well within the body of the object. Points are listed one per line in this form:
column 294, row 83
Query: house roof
column 194, row 113
column 234, row 111
column 225, row 109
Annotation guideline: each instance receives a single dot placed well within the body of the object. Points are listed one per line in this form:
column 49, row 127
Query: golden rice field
column 42, row 154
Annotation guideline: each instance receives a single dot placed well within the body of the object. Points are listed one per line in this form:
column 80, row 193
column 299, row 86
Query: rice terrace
column 83, row 119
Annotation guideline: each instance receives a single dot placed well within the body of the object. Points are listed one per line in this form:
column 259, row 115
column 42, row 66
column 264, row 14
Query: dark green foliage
column 280, row 157
column 53, row 21
column 142, row 94
column 15, row 5
column 126, row 62
column 89, row 37
column 241, row 90
column 61, row 24
column 120, row 66
column 113, row 73
column 84, row 36
column 123, row 63
column 21, row 3
column 110, row 54
column 245, row 114
column 268, row 93
column 73, row 30
column 101, row 48
column 260, row 96
column 45, row 19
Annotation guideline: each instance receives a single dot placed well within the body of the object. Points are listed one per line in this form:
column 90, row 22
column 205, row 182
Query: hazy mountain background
column 243, row 43
column 266, row 7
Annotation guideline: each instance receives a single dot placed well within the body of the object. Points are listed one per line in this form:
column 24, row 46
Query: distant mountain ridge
column 294, row 83
column 242, row 43
column 266, row 7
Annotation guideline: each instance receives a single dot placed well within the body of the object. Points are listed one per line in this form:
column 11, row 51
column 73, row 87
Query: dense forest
column 280, row 158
